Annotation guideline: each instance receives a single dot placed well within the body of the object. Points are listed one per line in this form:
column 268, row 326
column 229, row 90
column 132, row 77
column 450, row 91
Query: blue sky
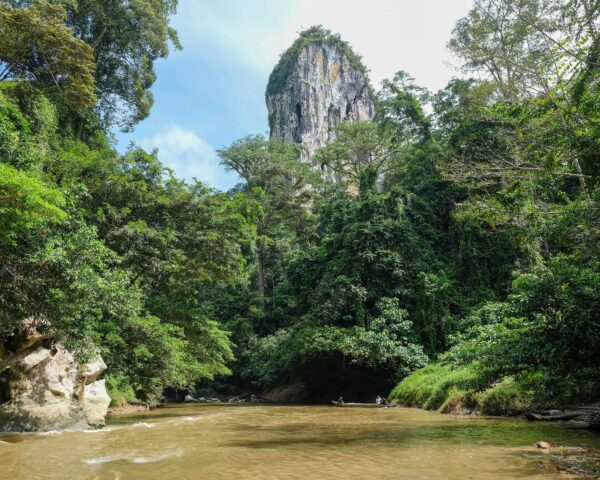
column 212, row 92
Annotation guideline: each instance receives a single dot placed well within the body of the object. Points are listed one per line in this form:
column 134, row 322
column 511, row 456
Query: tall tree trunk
column 261, row 273
column 582, row 181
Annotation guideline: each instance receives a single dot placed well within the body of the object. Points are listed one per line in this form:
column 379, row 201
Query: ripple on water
column 57, row 433
column 50, row 433
column 143, row 425
column 197, row 418
column 101, row 430
column 134, row 458
column 107, row 459
column 191, row 419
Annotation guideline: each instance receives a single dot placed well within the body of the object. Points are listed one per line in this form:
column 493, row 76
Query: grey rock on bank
column 42, row 387
column 322, row 90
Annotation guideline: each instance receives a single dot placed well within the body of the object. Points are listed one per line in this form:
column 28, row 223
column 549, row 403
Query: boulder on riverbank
column 190, row 399
column 42, row 387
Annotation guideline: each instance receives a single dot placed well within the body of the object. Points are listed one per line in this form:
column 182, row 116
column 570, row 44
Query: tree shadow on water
column 495, row 433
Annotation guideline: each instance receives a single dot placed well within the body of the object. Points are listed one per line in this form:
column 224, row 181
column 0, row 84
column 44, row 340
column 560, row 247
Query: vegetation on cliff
column 312, row 36
column 460, row 243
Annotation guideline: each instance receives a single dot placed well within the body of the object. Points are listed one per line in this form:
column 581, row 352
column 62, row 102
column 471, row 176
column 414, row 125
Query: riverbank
column 133, row 408
column 466, row 390
column 130, row 410
column 459, row 391
column 584, row 462
column 452, row 389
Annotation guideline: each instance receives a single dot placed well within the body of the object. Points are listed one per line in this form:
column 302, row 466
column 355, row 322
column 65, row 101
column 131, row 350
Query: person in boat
column 380, row 400
column 340, row 400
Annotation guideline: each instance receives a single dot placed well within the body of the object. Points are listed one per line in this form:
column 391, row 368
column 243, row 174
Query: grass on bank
column 449, row 388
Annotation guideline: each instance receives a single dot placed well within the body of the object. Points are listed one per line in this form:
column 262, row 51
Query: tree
column 36, row 45
column 283, row 186
column 498, row 39
column 26, row 202
column 332, row 359
column 400, row 105
column 176, row 240
column 126, row 39
column 113, row 251
column 360, row 154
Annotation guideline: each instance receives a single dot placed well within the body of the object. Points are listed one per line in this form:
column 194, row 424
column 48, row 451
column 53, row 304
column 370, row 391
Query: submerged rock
column 42, row 387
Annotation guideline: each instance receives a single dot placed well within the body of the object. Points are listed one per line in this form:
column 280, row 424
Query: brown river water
column 273, row 442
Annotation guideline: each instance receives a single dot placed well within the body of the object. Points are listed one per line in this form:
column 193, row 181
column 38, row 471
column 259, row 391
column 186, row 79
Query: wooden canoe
column 358, row 405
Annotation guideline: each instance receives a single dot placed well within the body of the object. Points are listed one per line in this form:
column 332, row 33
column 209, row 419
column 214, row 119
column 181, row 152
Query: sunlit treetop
column 36, row 45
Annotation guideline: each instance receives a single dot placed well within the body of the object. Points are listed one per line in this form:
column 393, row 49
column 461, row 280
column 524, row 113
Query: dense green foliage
column 520, row 146
column 463, row 229
column 478, row 221
column 124, row 38
column 112, row 250
column 36, row 45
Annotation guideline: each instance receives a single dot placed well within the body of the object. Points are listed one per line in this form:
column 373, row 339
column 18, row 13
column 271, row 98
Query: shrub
column 437, row 386
column 119, row 391
column 506, row 397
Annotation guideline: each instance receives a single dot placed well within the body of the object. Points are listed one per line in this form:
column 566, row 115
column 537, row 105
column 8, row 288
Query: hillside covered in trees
column 457, row 258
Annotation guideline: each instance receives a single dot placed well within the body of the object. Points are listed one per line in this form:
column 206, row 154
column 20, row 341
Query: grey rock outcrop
column 322, row 90
column 42, row 387
column 95, row 403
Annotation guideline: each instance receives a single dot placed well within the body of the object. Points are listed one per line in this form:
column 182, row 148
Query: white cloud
column 390, row 34
column 186, row 153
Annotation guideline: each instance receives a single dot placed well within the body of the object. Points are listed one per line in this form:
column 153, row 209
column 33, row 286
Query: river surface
column 272, row 442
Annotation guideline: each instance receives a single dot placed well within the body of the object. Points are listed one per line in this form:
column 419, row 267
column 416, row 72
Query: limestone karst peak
column 318, row 83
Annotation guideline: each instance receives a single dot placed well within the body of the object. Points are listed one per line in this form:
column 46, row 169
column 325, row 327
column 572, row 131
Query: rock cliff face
column 43, row 388
column 322, row 88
